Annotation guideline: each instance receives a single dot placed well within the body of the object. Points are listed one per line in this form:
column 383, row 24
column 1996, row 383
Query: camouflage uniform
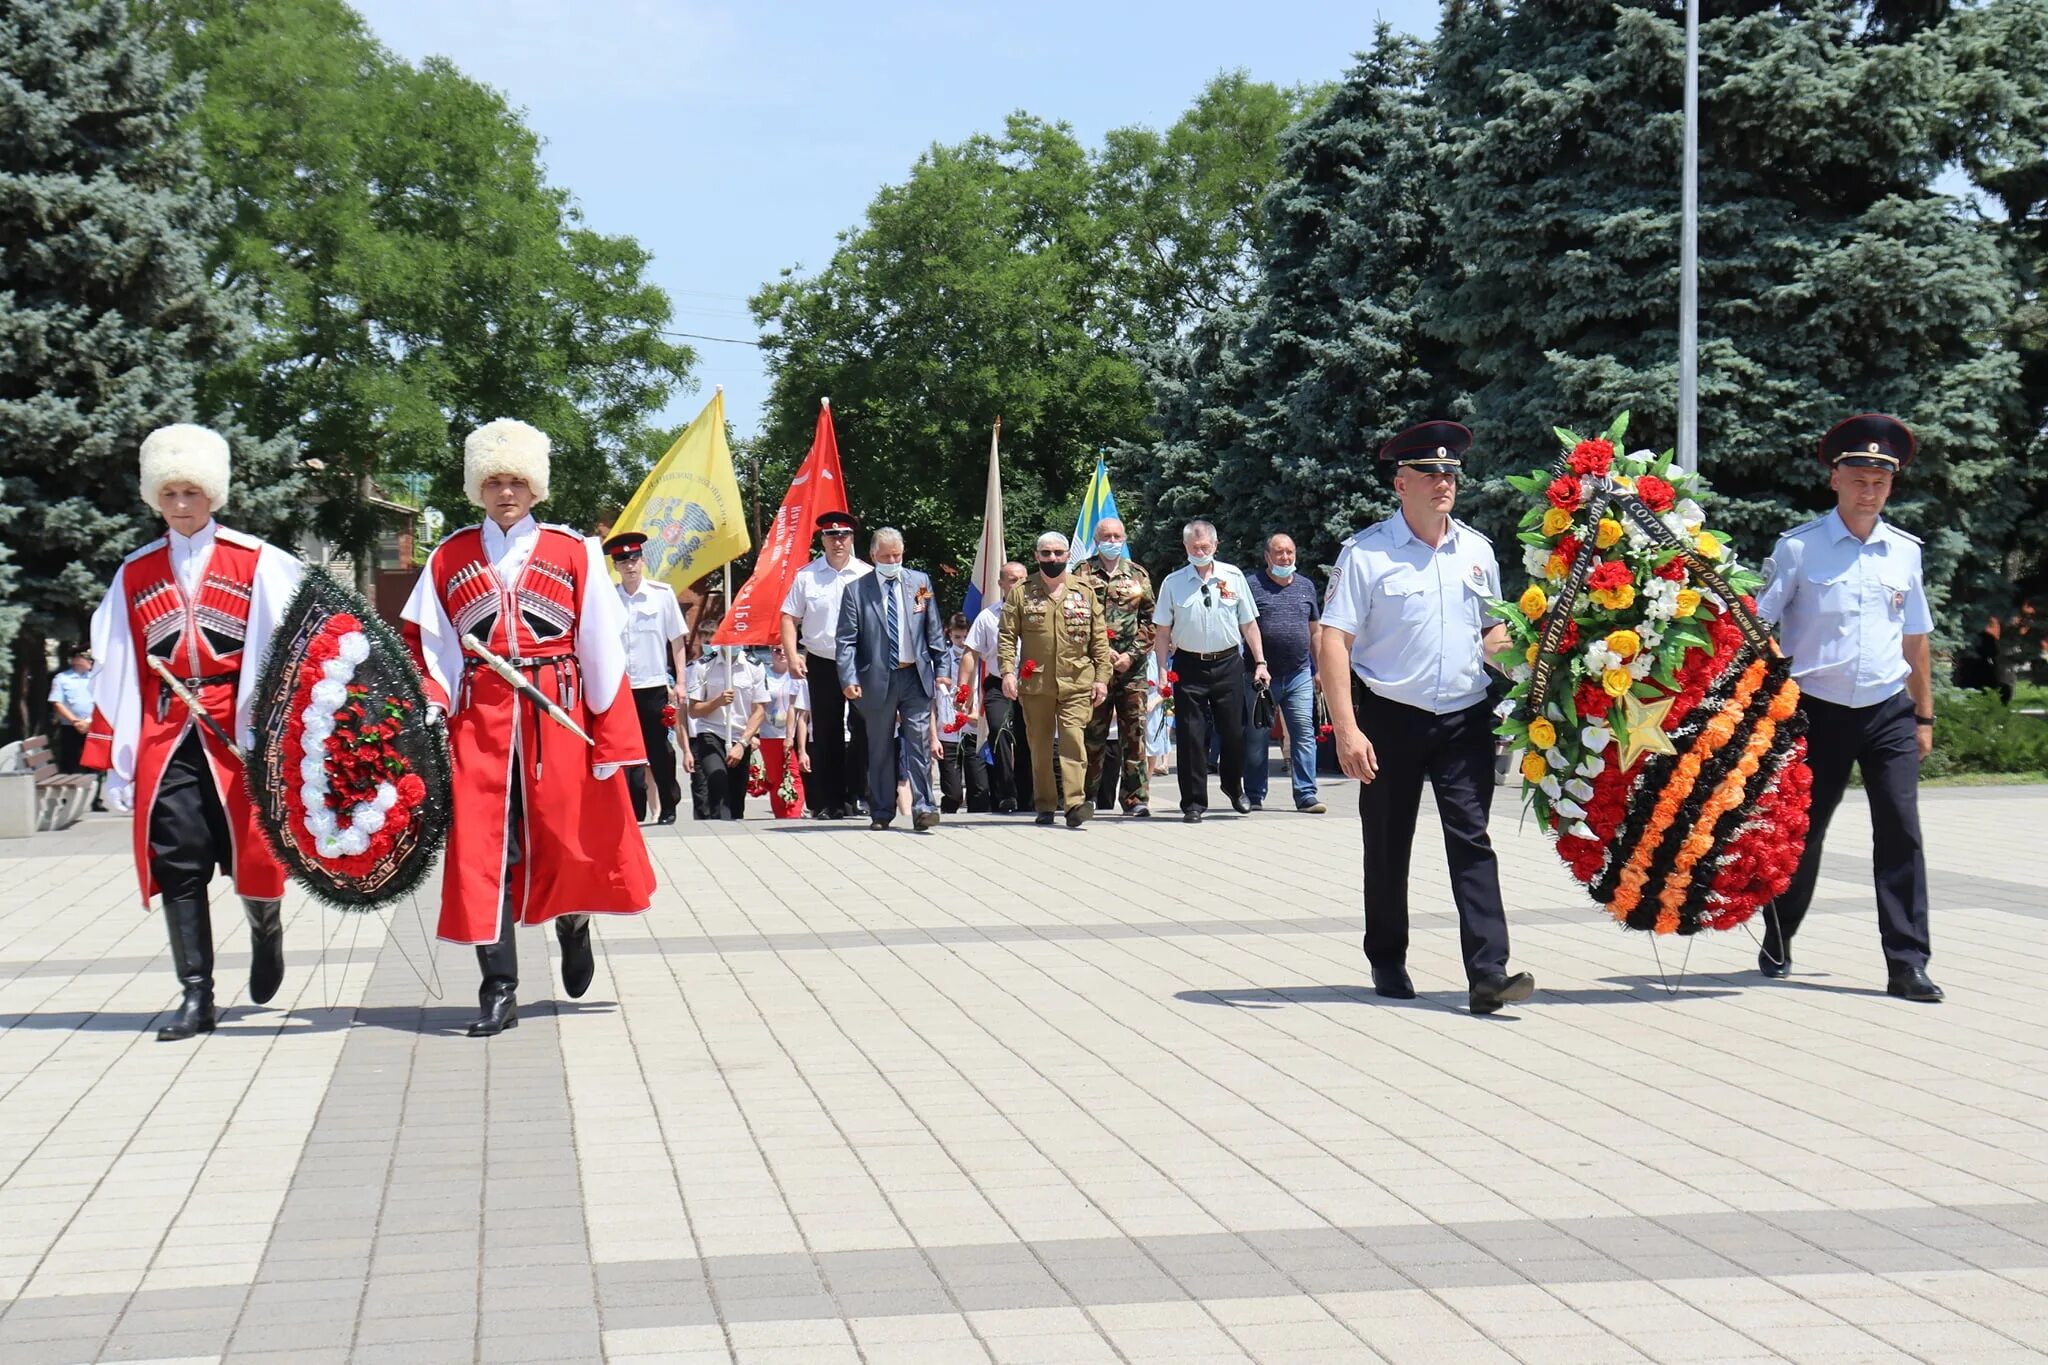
column 1125, row 590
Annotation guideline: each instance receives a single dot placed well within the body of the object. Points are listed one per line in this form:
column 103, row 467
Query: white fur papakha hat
column 506, row 446
column 184, row 453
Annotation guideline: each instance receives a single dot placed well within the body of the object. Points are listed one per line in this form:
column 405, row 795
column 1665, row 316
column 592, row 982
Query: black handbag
column 1263, row 710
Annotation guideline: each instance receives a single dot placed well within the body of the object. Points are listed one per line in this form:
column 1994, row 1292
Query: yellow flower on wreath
column 1529, row 654
column 1608, row 532
column 1708, row 544
column 1688, row 602
column 1556, row 521
column 1616, row 682
column 1534, row 602
column 1616, row 599
column 1625, row 644
column 1534, row 769
column 1554, row 567
column 1542, row 733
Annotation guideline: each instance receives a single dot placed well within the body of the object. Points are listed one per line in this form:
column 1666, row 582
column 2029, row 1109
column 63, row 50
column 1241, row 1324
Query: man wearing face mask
column 1054, row 651
column 1207, row 619
column 892, row 662
column 1125, row 591
column 1290, row 614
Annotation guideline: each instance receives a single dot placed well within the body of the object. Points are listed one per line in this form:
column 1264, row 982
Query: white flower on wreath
column 1534, row 557
column 1639, row 667
column 331, row 837
column 1660, row 602
column 1691, row 514
column 1570, row 810
column 1595, row 738
column 1599, row 658
column 1592, row 765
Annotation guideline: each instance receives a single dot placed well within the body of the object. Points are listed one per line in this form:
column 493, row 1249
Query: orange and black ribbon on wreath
column 1636, row 510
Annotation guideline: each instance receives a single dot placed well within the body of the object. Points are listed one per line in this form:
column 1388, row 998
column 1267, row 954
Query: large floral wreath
column 355, row 792
column 1663, row 745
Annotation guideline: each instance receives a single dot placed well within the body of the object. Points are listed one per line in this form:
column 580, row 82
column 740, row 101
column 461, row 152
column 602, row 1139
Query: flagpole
column 727, row 571
column 1689, row 256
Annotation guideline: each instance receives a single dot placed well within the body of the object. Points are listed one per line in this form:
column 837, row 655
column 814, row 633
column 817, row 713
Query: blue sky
column 736, row 140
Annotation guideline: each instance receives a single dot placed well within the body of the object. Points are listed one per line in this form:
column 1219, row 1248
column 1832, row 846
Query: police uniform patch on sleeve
column 1479, row 577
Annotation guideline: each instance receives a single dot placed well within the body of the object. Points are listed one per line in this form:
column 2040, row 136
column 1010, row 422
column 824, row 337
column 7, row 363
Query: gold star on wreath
column 1644, row 729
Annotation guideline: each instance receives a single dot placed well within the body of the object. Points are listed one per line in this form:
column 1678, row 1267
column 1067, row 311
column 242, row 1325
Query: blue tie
column 889, row 615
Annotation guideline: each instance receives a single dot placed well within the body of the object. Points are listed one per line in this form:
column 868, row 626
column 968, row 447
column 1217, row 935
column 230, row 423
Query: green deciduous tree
column 1015, row 275
column 415, row 274
column 108, row 317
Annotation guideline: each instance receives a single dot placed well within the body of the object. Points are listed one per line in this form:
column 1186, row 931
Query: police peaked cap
column 1429, row 447
column 1870, row 441
column 625, row 544
column 830, row 519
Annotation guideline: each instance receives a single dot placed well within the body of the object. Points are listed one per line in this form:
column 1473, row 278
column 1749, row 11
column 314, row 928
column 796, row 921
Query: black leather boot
column 266, row 948
column 578, row 965
column 498, row 996
column 191, row 931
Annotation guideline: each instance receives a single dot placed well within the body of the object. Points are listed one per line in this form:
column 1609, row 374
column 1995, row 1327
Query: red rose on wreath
column 1609, row 576
column 1591, row 700
column 1568, row 548
column 1570, row 638
column 411, row 791
column 1654, row 491
column 1672, row 568
column 1592, row 457
column 1567, row 493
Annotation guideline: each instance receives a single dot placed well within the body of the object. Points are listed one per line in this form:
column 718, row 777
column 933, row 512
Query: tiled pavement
column 1020, row 1095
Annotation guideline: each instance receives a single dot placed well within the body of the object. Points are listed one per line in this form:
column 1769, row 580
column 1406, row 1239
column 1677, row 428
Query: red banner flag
column 755, row 617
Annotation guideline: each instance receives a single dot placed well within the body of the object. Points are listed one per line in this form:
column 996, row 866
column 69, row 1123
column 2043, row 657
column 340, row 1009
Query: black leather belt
column 1212, row 657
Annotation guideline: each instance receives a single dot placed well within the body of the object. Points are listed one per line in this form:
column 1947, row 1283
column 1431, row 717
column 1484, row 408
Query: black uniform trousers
column 498, row 962
column 1455, row 754
column 839, row 763
column 69, row 744
column 188, row 830
column 1210, row 693
column 1010, row 775
column 1881, row 739
column 649, row 702
column 718, row 790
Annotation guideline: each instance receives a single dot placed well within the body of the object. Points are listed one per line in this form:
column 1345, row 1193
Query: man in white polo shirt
column 810, row 615
column 1206, row 618
column 656, row 647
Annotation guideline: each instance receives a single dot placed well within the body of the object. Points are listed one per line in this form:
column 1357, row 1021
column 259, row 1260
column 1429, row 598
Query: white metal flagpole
column 1689, row 256
column 729, row 684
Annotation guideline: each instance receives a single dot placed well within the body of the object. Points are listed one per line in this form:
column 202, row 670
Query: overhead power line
column 699, row 336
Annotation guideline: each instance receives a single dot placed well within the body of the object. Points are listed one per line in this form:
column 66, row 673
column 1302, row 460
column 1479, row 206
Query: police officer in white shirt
column 1406, row 616
column 810, row 615
column 1207, row 619
column 1851, row 607
column 656, row 648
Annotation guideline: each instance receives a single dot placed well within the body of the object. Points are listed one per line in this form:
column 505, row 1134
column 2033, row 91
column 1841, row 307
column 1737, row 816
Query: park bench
column 60, row 798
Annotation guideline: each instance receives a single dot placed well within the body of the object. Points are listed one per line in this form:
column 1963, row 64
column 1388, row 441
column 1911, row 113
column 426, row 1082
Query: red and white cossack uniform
column 207, row 604
column 541, row 598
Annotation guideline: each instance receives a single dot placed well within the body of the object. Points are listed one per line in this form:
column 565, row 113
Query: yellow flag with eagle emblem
column 688, row 506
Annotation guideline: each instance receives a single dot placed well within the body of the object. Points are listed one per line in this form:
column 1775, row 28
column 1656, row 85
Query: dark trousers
column 188, row 830
column 1881, row 740
column 718, row 790
column 975, row 771
column 661, row 755
column 1010, row 776
column 1210, row 693
column 839, row 764
column 1455, row 754
column 69, row 745
column 499, row 962
column 953, row 774
column 1111, row 759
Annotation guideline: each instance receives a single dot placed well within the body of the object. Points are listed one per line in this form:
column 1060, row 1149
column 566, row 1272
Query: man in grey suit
column 892, row 661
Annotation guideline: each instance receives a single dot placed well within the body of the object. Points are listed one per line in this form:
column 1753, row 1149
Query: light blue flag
column 1098, row 502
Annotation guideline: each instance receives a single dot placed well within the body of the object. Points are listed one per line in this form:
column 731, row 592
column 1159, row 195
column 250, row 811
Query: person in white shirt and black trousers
column 656, row 645
column 1850, row 602
column 810, row 629
column 1206, row 619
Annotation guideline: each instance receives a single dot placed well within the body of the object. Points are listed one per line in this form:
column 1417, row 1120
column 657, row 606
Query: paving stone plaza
column 1034, row 1095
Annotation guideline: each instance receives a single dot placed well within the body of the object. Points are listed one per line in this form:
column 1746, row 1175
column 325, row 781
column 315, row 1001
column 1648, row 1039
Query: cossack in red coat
column 208, row 639
column 560, row 622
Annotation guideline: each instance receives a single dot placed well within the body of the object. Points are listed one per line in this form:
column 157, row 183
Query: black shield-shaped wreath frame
column 421, row 742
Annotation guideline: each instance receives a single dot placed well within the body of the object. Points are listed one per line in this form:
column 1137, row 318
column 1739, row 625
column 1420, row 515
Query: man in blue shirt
column 1847, row 595
column 71, row 707
column 1407, row 619
column 1290, row 610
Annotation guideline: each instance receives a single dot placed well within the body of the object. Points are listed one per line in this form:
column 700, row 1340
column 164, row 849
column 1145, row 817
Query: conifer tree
column 107, row 314
column 1834, row 278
